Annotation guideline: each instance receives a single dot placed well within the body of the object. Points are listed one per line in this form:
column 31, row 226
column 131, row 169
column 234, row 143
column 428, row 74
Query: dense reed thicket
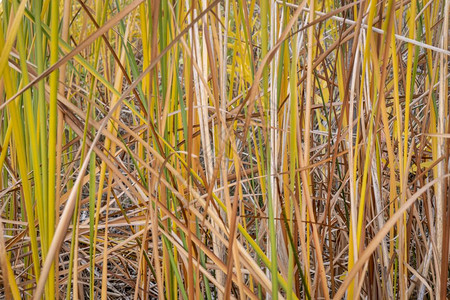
column 217, row 149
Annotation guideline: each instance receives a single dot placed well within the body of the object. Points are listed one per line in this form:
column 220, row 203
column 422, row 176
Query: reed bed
column 217, row 149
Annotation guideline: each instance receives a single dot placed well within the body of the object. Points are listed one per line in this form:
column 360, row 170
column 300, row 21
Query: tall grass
column 222, row 149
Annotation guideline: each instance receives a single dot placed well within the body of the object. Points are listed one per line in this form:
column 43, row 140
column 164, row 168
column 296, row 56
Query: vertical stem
column 442, row 196
column 53, row 117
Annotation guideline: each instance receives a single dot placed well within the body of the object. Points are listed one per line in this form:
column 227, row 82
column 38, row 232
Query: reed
column 215, row 149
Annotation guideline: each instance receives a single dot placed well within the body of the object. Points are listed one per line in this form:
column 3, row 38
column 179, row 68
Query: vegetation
column 217, row 149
